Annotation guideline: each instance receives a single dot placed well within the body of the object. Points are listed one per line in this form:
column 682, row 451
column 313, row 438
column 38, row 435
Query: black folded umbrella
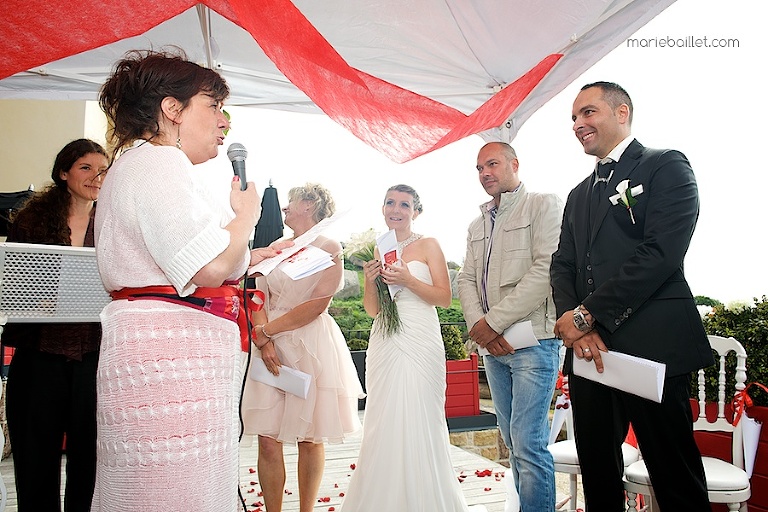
column 270, row 225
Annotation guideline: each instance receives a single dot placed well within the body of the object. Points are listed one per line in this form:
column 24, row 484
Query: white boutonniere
column 626, row 196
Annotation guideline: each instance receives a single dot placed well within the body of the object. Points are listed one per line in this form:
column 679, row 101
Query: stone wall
column 486, row 443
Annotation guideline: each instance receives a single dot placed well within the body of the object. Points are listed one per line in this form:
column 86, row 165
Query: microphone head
column 236, row 151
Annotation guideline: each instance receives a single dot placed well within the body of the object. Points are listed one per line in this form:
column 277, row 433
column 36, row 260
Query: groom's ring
column 586, row 350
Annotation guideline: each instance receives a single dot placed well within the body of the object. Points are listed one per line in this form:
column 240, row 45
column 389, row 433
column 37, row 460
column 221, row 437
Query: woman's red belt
column 224, row 302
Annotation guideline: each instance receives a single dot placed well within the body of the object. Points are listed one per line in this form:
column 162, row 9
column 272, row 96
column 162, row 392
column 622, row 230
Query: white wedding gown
column 404, row 463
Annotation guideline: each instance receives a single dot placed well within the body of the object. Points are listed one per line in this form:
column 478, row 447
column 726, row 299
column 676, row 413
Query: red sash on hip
column 223, row 302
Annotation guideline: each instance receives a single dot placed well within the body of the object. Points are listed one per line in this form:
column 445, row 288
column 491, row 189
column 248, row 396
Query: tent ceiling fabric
column 405, row 76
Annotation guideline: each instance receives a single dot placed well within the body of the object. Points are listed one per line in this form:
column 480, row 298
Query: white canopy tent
column 405, row 76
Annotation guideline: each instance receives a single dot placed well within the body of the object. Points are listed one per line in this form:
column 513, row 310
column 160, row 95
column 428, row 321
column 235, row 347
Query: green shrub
column 451, row 314
column 351, row 317
column 703, row 300
column 357, row 344
column 454, row 346
column 749, row 325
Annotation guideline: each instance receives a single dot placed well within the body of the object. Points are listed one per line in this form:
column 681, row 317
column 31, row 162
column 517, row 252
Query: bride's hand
column 397, row 274
column 371, row 270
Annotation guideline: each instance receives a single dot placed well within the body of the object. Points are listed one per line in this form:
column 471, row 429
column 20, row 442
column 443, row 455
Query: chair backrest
column 722, row 346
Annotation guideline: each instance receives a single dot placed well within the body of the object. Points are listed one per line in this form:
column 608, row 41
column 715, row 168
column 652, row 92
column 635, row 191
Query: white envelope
column 519, row 335
column 641, row 377
column 290, row 380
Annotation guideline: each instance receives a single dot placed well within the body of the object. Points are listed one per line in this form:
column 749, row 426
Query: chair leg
column 574, row 491
column 631, row 501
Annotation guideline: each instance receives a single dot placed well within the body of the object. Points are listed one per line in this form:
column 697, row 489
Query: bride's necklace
column 408, row 241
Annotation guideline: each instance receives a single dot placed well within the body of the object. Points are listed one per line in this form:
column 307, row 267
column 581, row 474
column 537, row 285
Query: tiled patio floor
column 478, row 490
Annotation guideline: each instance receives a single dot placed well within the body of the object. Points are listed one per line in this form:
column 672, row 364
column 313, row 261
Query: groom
column 618, row 284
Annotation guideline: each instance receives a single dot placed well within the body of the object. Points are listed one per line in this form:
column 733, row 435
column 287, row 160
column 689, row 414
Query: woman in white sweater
column 169, row 373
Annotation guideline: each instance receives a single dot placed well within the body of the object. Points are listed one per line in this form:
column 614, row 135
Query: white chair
column 726, row 483
column 567, row 459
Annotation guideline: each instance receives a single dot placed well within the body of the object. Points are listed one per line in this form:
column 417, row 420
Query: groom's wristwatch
column 580, row 320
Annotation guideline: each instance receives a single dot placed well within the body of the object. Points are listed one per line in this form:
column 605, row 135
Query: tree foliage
column 454, row 346
column 703, row 300
column 749, row 325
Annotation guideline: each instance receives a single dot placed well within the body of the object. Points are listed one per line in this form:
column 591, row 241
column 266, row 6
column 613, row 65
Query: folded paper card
column 306, row 262
column 641, row 377
column 290, row 380
column 268, row 265
column 389, row 251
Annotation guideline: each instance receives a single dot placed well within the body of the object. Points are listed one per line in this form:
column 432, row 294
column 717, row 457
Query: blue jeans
column 522, row 385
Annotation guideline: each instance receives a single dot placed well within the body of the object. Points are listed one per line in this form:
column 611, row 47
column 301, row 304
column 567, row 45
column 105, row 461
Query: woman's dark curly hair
column 132, row 95
column 44, row 218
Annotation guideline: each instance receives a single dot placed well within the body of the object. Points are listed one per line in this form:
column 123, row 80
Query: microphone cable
column 249, row 325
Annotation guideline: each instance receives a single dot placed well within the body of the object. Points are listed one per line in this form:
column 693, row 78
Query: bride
column 404, row 463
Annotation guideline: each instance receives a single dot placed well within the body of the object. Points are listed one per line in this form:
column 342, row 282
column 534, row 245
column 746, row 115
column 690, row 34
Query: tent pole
column 204, row 15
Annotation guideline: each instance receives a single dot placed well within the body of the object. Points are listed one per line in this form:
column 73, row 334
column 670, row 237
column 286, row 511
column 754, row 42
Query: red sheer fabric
column 399, row 123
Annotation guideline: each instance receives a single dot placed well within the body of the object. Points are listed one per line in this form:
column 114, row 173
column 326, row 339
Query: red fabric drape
column 399, row 123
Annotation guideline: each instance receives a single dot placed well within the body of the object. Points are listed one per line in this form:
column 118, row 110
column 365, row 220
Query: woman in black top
column 51, row 386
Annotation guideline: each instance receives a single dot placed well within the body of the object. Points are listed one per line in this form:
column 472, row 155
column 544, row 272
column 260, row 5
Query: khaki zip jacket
column 526, row 233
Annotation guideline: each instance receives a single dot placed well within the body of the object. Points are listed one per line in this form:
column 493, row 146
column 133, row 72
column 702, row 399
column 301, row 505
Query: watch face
column 579, row 321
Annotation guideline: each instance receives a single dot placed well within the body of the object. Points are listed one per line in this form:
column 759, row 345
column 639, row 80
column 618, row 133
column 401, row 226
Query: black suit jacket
column 630, row 276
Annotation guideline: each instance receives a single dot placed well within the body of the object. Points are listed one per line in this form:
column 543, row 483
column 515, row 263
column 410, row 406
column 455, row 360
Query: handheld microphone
column 237, row 154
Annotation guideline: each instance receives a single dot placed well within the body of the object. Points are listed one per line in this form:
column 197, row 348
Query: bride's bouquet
column 360, row 248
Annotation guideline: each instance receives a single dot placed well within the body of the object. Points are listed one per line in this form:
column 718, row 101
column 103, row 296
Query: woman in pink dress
column 296, row 331
column 170, row 372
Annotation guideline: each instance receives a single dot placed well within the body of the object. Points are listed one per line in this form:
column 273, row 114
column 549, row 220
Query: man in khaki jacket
column 504, row 282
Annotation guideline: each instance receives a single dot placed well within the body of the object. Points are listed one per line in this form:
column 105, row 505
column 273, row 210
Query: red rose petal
column 341, row 494
column 331, row 509
column 352, row 466
column 487, row 489
column 251, row 470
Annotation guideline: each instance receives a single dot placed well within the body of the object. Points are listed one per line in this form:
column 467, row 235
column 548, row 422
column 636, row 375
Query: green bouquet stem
column 388, row 318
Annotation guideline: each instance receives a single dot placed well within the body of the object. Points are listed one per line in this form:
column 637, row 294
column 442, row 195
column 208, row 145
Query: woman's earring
column 178, row 142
